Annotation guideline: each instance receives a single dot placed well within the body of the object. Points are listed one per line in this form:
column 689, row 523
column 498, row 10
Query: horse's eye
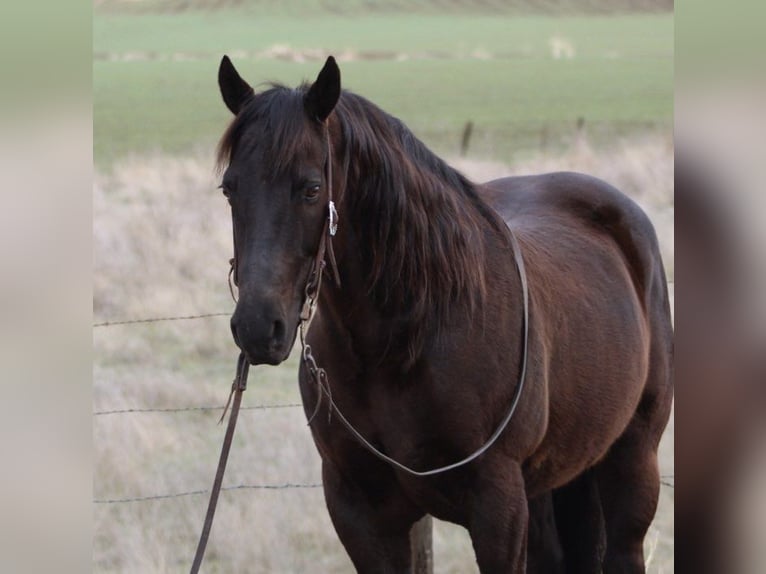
column 226, row 191
column 312, row 191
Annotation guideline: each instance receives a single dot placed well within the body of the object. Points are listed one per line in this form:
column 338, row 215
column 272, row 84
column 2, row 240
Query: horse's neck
column 350, row 312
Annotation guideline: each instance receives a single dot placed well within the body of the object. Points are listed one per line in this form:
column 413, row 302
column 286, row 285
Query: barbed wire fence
column 159, row 319
column 114, row 323
column 188, row 409
column 665, row 480
column 285, row 486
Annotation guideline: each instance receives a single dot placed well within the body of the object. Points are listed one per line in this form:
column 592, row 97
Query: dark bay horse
column 421, row 335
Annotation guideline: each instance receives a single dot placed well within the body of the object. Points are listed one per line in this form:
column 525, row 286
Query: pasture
column 154, row 74
column 162, row 239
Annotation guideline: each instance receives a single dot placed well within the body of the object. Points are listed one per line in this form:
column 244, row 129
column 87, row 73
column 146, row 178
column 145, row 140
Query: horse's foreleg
column 373, row 522
column 498, row 519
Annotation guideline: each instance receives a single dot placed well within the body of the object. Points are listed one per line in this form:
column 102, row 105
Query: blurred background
column 496, row 88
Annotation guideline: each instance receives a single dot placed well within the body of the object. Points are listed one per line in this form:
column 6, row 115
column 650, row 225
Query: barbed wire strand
column 188, row 409
column 285, row 486
column 159, row 319
column 180, row 318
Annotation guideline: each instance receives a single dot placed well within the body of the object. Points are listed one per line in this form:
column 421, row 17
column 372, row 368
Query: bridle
column 314, row 281
column 319, row 375
column 330, row 228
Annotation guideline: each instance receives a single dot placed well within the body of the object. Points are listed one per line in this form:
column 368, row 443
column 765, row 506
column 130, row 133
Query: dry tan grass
column 161, row 244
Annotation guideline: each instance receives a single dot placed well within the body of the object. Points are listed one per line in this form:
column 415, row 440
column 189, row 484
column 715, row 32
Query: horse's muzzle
column 261, row 335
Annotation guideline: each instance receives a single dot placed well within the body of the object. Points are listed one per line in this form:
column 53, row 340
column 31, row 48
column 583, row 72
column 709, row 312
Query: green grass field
column 154, row 75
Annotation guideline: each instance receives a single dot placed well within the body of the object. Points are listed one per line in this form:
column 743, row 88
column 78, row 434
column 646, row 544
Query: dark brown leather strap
column 237, row 388
column 332, row 215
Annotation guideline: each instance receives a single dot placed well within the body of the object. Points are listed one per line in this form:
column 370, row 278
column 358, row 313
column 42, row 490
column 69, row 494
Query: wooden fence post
column 421, row 544
column 466, row 139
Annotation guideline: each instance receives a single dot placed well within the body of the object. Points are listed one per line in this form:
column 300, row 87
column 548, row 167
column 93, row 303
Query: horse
column 483, row 350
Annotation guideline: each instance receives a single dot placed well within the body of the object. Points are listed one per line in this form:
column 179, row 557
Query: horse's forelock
column 282, row 128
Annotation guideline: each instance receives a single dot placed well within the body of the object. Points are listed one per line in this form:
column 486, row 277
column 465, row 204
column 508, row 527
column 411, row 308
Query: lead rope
column 238, row 386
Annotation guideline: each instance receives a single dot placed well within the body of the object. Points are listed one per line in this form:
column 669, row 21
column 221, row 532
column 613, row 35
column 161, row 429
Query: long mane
column 420, row 223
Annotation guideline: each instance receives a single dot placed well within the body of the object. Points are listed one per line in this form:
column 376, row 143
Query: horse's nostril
column 260, row 338
column 277, row 332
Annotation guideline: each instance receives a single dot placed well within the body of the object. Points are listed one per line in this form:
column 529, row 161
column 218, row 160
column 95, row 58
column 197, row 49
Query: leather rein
column 319, row 375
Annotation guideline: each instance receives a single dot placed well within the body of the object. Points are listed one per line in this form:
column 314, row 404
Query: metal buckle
column 333, row 218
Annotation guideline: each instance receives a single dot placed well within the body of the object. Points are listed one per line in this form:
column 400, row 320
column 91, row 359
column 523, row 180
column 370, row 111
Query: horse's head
column 275, row 153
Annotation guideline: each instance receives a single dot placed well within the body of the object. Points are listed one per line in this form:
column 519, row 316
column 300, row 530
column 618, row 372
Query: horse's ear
column 324, row 92
column 234, row 89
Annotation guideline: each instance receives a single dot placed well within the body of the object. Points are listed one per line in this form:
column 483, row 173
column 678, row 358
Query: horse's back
column 590, row 207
